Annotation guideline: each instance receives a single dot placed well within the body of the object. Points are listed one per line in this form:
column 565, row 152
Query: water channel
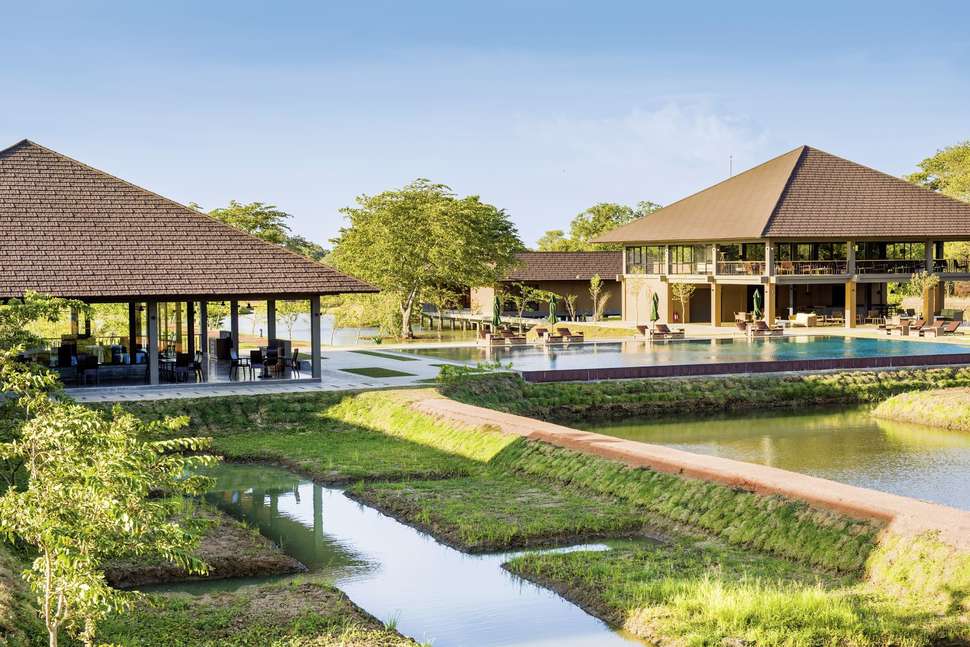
column 434, row 593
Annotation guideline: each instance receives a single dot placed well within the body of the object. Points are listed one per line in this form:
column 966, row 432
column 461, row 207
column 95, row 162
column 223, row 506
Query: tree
column 89, row 500
column 269, row 223
column 289, row 312
column 595, row 289
column 597, row 220
column 683, row 292
column 409, row 240
column 441, row 298
column 570, row 301
column 947, row 171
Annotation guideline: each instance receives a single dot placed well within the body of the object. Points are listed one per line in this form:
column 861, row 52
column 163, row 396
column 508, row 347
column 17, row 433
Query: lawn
column 493, row 510
column 376, row 371
column 946, row 408
column 293, row 613
column 374, row 353
column 709, row 594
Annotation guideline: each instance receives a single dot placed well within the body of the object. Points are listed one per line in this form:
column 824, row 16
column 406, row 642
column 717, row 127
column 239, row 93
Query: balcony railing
column 655, row 267
column 944, row 265
column 811, row 268
column 705, row 267
column 890, row 266
column 741, row 268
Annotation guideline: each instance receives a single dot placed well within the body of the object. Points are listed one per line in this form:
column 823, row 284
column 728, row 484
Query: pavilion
column 72, row 231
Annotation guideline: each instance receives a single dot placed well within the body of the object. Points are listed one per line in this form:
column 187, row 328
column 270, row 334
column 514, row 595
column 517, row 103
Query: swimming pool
column 787, row 353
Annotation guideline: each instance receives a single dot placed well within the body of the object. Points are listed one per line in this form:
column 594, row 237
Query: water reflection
column 845, row 445
column 436, row 594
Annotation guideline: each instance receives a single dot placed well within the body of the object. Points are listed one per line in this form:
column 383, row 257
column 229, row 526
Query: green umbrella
column 496, row 313
column 655, row 311
column 757, row 304
column 552, row 309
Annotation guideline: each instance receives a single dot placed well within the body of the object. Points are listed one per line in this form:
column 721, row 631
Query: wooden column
column 204, row 337
column 152, row 308
column 315, row 357
column 851, row 298
column 769, row 293
column 271, row 318
column 179, row 340
column 190, row 327
column 75, row 325
column 234, row 324
column 132, row 330
column 715, row 304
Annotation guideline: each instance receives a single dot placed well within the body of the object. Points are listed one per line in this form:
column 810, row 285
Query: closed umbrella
column 496, row 313
column 552, row 309
column 655, row 311
column 757, row 305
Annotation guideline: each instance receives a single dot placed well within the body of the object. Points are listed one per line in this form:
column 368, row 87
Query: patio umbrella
column 655, row 311
column 496, row 313
column 757, row 304
column 552, row 309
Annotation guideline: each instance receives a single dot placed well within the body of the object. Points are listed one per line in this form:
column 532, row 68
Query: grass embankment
column 20, row 626
column 625, row 399
column 290, row 614
column 946, row 408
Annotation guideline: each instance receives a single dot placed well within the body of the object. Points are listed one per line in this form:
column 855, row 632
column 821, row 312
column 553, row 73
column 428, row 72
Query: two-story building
column 808, row 230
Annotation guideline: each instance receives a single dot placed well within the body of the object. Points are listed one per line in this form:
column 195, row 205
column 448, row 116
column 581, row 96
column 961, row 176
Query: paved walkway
column 420, row 370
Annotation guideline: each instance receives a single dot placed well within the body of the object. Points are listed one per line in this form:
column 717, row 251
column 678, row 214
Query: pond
column 435, row 593
column 848, row 445
column 534, row 357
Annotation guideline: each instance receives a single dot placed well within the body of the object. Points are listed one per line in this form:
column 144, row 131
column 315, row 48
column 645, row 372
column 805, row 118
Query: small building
column 808, row 231
column 73, row 231
column 562, row 273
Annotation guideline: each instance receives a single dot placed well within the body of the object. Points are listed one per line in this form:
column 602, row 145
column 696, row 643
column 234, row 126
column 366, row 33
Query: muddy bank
column 229, row 547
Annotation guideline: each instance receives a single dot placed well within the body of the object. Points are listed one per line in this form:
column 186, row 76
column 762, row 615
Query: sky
column 540, row 108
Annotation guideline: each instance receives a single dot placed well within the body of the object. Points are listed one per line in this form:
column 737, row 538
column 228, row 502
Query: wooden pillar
column 87, row 323
column 769, row 290
column 152, row 342
column 851, row 298
column 190, row 327
column 132, row 330
column 850, row 258
column 204, row 337
column 234, row 324
column 75, row 322
column 715, row 304
column 179, row 340
column 315, row 358
column 271, row 318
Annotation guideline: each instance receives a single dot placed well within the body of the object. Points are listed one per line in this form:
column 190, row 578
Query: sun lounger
column 570, row 337
column 663, row 331
column 762, row 329
column 742, row 326
column 916, row 328
column 941, row 328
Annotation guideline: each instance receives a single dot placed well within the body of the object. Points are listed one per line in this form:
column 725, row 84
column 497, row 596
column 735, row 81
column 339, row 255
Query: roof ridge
column 794, row 169
column 194, row 212
column 16, row 144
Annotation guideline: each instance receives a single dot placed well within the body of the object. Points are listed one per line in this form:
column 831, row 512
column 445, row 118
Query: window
column 647, row 259
column 690, row 259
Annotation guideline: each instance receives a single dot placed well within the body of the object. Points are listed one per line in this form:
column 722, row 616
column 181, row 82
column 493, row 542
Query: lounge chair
column 940, row 327
column 663, row 331
column 761, row 328
column 570, row 337
column 742, row 326
column 916, row 328
column 898, row 330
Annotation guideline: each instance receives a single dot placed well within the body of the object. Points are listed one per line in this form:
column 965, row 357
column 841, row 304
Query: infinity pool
column 691, row 351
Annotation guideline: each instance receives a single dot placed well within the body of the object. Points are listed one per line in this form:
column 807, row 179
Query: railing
column 890, row 266
column 656, row 267
column 741, row 268
column 811, row 268
column 944, row 265
column 705, row 267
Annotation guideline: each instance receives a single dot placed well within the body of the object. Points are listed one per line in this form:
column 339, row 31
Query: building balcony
column 951, row 266
column 811, row 268
column 741, row 268
column 694, row 269
column 646, row 268
column 890, row 266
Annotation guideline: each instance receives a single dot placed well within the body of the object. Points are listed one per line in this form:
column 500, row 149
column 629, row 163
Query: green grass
column 589, row 330
column 493, row 510
column 374, row 353
column 624, row 399
column 376, row 371
column 294, row 614
column 20, row 626
column 946, row 408
column 707, row 594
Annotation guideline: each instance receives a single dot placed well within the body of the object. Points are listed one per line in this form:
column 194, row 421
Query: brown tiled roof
column 566, row 266
column 804, row 194
column 74, row 231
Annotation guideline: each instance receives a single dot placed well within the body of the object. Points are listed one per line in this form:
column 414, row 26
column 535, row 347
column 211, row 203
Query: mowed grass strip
column 491, row 511
column 713, row 595
column 374, row 353
column 295, row 614
column 945, row 408
column 376, row 371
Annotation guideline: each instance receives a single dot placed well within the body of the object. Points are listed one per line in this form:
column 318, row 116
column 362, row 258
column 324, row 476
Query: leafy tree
column 947, row 171
column 441, row 298
column 597, row 220
column 269, row 223
column 289, row 312
column 570, row 302
column 598, row 297
column 307, row 248
column 88, row 501
column 410, row 240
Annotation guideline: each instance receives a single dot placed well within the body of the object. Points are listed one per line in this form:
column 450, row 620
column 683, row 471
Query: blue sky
column 542, row 108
